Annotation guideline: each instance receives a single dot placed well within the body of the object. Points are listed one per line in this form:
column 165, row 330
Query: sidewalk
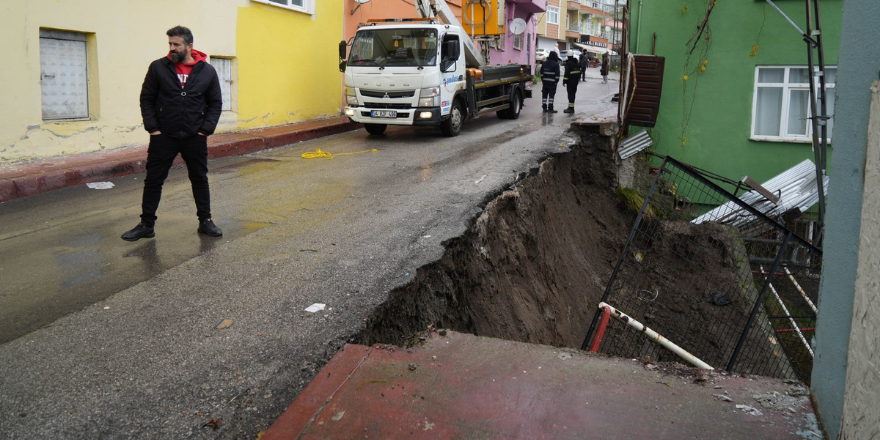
column 457, row 385
column 23, row 179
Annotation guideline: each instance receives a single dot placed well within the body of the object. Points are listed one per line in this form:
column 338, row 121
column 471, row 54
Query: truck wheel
column 512, row 112
column 452, row 126
column 375, row 128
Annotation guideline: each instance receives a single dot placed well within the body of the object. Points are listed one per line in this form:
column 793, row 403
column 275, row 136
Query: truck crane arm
column 439, row 8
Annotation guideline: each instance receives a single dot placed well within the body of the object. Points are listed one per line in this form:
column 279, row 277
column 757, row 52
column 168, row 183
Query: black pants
column 548, row 92
column 160, row 155
column 583, row 73
column 572, row 89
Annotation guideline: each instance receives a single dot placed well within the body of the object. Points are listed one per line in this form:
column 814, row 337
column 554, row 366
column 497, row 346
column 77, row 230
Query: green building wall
column 717, row 136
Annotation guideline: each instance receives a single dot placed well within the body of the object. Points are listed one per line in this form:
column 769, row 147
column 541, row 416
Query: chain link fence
column 715, row 276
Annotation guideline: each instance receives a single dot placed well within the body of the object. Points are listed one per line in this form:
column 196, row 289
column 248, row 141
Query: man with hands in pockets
column 180, row 105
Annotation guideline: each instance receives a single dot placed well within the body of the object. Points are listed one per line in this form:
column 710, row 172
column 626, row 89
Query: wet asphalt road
column 103, row 338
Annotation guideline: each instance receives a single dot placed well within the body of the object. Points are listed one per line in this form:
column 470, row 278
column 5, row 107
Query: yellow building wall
column 284, row 66
column 288, row 64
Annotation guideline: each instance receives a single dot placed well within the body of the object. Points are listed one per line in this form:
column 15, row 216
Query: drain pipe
column 656, row 337
column 803, row 294
column 794, row 324
column 639, row 27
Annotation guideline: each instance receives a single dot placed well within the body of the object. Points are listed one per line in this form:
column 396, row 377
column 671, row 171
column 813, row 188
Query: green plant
column 632, row 200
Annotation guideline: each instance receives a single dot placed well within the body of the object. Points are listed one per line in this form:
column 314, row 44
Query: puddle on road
column 51, row 273
column 248, row 166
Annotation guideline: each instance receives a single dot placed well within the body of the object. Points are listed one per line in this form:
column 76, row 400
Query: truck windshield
column 394, row 47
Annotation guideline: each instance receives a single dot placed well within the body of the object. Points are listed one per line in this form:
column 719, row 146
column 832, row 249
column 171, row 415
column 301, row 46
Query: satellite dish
column 517, row 26
column 607, row 28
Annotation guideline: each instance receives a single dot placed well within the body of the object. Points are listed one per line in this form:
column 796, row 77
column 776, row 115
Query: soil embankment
column 535, row 264
column 531, row 268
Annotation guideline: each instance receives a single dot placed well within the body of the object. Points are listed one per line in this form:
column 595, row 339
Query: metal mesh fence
column 696, row 269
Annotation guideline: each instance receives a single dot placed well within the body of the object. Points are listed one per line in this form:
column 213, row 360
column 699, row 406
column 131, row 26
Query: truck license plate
column 383, row 114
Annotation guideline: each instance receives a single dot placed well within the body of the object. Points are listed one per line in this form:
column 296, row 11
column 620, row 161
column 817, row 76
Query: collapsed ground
column 533, row 268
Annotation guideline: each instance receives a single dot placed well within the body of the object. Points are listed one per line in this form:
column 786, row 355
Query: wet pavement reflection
column 50, row 273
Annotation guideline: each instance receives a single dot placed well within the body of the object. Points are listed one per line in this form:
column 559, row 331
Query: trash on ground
column 100, row 185
column 798, row 391
column 213, row 423
column 722, row 397
column 223, row 324
column 316, row 307
column 750, row 410
column 719, row 299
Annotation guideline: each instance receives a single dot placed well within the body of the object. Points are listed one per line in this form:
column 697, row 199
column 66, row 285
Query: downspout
column 639, row 27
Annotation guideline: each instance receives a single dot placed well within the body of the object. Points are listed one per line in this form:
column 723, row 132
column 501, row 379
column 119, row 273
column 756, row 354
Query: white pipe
column 804, row 294
column 787, row 313
column 656, row 337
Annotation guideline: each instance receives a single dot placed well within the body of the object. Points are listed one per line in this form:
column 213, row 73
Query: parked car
column 578, row 54
column 541, row 55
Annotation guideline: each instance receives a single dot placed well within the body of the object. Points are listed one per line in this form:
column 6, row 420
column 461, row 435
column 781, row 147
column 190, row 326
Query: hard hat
column 569, row 53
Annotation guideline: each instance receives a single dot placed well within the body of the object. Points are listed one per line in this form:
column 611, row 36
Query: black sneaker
column 140, row 231
column 208, row 228
column 568, row 110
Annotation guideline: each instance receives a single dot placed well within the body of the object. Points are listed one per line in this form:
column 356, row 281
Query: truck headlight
column 351, row 96
column 429, row 97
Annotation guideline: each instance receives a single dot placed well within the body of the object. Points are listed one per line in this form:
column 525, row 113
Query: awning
column 591, row 48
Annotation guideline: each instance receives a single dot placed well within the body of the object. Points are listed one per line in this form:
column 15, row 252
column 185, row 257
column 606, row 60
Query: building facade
column 743, row 112
column 574, row 25
column 80, row 66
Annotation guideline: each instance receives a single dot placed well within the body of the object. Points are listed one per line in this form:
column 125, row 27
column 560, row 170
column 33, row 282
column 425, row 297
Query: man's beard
column 177, row 57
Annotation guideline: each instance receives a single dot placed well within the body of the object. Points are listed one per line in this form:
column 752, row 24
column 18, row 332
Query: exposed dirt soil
column 531, row 268
column 665, row 284
column 534, row 266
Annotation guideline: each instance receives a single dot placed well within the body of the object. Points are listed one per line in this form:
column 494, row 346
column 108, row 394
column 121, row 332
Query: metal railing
column 736, row 301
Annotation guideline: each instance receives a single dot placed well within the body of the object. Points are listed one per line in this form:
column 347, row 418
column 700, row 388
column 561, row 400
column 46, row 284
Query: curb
column 50, row 174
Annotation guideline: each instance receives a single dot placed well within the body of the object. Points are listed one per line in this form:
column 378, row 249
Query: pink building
column 519, row 49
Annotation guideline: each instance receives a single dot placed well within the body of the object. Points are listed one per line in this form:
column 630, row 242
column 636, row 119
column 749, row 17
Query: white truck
column 423, row 72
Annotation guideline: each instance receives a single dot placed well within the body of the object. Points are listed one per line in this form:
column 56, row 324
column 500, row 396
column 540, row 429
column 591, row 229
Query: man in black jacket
column 571, row 79
column 549, row 79
column 180, row 104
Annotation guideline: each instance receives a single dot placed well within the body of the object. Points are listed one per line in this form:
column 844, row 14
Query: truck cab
column 404, row 74
column 421, row 72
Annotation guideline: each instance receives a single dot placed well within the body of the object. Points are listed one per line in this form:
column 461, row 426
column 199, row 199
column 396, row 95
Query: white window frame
column 552, row 15
column 227, row 103
column 308, row 6
column 787, row 88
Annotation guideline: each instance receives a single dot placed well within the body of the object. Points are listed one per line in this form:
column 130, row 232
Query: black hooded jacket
column 550, row 69
column 181, row 112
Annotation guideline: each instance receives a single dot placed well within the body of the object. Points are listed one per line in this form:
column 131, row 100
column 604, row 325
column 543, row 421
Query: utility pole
column 818, row 113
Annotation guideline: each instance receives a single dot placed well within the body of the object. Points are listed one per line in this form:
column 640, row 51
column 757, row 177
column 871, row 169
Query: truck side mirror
column 342, row 50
